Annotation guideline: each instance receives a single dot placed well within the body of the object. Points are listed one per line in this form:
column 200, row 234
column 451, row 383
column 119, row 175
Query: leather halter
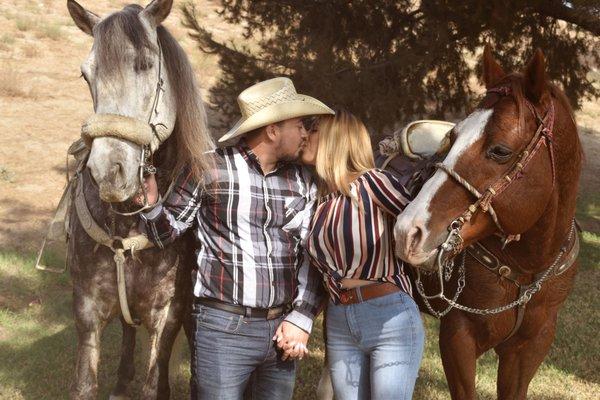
column 543, row 135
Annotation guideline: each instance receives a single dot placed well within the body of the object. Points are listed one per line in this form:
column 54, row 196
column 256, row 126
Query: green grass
column 38, row 342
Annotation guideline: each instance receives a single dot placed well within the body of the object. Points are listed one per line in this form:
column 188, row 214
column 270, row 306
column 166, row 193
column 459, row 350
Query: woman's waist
column 351, row 283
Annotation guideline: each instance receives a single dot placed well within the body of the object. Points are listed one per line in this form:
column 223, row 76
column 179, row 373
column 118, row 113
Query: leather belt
column 367, row 292
column 250, row 312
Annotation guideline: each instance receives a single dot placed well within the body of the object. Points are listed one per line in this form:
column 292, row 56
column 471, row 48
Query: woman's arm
column 386, row 191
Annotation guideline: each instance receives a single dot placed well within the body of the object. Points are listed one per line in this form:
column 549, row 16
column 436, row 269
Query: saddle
column 411, row 151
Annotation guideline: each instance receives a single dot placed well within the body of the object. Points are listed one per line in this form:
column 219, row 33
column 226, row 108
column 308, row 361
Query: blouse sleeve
column 386, row 191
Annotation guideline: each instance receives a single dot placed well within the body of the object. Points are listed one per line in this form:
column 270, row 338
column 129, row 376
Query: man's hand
column 151, row 191
column 292, row 340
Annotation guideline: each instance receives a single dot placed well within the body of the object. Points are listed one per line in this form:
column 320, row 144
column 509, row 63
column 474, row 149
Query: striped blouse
column 352, row 237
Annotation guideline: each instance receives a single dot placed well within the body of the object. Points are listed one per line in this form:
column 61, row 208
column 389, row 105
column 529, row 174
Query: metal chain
column 523, row 299
column 459, row 289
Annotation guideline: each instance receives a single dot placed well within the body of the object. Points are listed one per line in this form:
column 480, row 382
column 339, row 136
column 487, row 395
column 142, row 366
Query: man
column 255, row 293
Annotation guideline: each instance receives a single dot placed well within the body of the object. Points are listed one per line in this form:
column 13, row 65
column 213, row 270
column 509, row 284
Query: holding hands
column 292, row 340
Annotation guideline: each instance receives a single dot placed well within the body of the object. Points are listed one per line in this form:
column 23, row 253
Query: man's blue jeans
column 228, row 348
column 375, row 347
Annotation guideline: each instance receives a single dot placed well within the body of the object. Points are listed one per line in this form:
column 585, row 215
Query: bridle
column 483, row 200
column 146, row 167
column 135, row 242
column 454, row 243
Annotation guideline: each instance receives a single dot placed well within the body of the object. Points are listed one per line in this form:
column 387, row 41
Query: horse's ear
column 84, row 19
column 534, row 82
column 157, row 11
column 492, row 71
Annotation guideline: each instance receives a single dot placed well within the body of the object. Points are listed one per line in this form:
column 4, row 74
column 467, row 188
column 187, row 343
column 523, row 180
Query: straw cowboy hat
column 272, row 101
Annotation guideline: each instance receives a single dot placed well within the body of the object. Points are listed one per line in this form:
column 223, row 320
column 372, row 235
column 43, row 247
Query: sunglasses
column 310, row 123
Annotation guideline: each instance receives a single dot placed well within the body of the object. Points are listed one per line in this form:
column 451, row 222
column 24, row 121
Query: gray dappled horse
column 148, row 110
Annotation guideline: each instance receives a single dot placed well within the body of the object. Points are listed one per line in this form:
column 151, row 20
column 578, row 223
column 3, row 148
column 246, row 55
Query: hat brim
column 302, row 106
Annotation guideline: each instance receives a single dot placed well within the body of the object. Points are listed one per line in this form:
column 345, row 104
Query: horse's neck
column 540, row 245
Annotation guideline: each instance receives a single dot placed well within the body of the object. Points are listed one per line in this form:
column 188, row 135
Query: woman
column 375, row 334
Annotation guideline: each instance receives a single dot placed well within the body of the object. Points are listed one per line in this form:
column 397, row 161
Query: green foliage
column 391, row 61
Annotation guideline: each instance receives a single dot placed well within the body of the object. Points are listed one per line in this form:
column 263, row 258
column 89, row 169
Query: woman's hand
column 151, row 191
column 292, row 340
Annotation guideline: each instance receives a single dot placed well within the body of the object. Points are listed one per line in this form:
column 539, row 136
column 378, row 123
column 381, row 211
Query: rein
column 454, row 243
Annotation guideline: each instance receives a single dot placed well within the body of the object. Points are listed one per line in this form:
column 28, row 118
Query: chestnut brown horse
column 506, row 193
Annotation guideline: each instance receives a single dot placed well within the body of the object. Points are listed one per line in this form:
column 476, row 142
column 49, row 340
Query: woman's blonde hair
column 344, row 151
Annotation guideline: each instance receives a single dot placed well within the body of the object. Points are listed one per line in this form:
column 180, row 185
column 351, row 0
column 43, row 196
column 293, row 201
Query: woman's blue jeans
column 375, row 347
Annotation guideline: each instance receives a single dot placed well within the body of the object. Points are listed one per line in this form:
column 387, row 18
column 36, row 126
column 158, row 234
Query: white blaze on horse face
column 418, row 212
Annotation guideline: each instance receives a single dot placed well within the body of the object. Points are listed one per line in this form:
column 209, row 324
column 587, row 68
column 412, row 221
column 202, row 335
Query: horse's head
column 486, row 147
column 131, row 91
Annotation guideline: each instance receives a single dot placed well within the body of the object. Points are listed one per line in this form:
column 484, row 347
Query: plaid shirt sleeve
column 310, row 291
column 171, row 218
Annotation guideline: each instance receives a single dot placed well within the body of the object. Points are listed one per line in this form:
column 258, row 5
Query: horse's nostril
column 415, row 238
column 115, row 172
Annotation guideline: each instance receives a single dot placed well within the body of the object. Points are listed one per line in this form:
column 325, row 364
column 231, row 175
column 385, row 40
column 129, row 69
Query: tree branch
column 208, row 45
column 582, row 16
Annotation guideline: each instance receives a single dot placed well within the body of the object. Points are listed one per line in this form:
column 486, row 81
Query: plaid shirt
column 250, row 228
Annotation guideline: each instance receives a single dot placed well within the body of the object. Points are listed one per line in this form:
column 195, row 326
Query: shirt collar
column 247, row 152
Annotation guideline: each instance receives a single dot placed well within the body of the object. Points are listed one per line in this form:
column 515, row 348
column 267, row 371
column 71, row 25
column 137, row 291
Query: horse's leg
column 126, row 365
column 459, row 356
column 519, row 359
column 163, row 331
column 89, row 326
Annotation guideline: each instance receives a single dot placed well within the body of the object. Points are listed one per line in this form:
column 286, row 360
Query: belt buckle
column 347, row 296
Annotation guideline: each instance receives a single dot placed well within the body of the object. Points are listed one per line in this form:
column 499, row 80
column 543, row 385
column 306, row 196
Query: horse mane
column 191, row 125
column 190, row 139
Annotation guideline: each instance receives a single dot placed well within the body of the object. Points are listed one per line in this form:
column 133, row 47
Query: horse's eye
column 499, row 153
column 143, row 65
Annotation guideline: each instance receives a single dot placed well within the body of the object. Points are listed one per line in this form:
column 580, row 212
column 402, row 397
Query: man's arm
column 170, row 219
column 310, row 286
column 292, row 334
column 309, row 297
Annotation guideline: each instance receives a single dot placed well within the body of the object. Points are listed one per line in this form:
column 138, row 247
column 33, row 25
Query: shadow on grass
column 13, row 214
column 39, row 343
column 575, row 349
